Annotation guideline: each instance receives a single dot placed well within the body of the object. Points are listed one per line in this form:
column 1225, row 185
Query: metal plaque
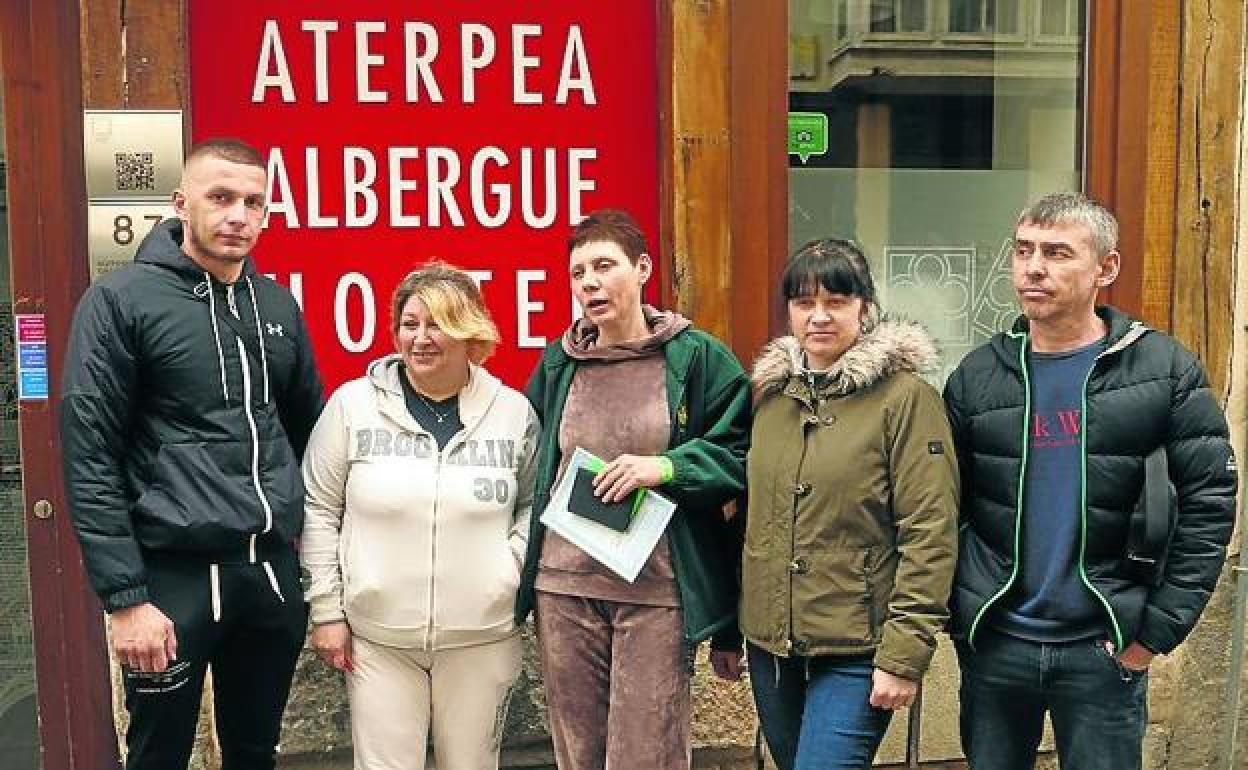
column 115, row 230
column 132, row 154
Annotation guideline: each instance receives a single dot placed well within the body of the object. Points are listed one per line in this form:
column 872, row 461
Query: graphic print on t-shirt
column 1059, row 428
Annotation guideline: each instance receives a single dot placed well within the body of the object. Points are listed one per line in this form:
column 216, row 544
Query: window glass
column 923, row 149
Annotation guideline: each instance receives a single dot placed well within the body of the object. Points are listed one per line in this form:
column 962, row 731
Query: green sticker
column 808, row 134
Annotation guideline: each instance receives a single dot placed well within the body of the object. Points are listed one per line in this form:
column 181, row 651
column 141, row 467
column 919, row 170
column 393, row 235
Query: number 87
column 123, row 227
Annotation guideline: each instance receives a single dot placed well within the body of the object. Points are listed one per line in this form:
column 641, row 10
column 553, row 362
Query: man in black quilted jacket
column 1053, row 421
column 189, row 392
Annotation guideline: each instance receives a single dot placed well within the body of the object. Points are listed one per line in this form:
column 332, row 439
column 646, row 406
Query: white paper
column 624, row 553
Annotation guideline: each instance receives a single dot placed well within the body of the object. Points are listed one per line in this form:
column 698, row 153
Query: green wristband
column 667, row 471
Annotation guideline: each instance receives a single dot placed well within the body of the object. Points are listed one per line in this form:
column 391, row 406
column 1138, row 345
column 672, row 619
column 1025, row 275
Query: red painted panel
column 473, row 132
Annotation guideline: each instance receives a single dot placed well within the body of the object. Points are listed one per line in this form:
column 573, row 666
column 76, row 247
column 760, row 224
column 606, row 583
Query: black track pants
column 251, row 648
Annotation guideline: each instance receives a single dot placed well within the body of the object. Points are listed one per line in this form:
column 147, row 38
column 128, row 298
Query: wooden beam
column 1209, row 124
column 103, row 67
column 1161, row 175
column 667, row 182
column 156, row 55
column 701, row 202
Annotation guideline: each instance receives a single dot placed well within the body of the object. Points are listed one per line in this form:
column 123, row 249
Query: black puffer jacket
column 1144, row 391
column 175, row 438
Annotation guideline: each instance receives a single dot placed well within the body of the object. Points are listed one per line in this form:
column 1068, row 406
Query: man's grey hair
column 1064, row 208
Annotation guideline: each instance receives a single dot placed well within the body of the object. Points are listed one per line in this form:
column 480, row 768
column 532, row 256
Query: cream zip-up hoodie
column 412, row 546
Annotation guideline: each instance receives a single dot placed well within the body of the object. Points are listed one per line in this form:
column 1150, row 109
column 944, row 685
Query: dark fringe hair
column 835, row 264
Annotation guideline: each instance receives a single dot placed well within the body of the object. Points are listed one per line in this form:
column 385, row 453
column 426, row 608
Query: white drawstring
column 216, row 332
column 776, row 660
column 214, row 578
column 214, row 581
column 268, row 568
column 264, row 359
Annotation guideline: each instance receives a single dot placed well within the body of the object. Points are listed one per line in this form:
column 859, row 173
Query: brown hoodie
column 617, row 404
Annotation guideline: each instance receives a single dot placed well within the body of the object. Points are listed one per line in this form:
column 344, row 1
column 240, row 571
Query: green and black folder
column 583, row 502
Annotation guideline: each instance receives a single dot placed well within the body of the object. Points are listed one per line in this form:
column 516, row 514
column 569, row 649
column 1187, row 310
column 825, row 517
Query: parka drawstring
column 214, row 580
column 206, row 288
column 268, row 570
column 201, row 290
column 264, row 358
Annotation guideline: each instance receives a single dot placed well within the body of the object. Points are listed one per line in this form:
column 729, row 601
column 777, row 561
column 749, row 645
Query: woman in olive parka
column 852, row 516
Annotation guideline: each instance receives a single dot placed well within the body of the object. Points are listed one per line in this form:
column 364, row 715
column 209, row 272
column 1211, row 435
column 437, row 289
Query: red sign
column 397, row 131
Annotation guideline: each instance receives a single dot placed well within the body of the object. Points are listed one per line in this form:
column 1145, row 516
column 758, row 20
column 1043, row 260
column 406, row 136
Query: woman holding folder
column 666, row 406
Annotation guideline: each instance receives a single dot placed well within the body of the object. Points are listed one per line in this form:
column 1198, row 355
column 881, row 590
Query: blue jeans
column 815, row 712
column 1098, row 708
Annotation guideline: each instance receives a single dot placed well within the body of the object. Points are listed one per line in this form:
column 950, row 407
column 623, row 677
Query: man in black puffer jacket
column 1052, row 421
column 189, row 393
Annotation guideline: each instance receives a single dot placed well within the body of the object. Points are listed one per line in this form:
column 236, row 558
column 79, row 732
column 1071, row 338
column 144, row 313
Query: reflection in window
column 983, row 17
column 830, row 13
column 1060, row 18
column 898, row 15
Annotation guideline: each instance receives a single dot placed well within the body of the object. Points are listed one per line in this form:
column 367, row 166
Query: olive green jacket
column 851, row 537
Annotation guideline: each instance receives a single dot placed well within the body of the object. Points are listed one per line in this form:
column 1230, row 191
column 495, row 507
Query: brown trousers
column 617, row 683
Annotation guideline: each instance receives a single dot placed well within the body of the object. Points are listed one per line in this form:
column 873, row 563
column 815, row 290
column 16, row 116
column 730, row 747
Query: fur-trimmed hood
column 892, row 346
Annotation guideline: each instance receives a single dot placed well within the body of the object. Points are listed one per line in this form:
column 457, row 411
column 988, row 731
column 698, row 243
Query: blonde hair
column 455, row 302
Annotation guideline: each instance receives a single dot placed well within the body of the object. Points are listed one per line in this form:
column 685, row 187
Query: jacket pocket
column 833, row 601
column 763, row 609
column 197, row 500
column 486, row 602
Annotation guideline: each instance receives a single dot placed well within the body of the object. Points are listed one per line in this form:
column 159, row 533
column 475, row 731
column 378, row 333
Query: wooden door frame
column 1131, row 154
column 1132, row 171
column 759, row 175
column 39, row 43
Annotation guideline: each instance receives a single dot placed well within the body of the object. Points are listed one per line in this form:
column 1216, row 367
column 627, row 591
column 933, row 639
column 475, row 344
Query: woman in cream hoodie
column 420, row 484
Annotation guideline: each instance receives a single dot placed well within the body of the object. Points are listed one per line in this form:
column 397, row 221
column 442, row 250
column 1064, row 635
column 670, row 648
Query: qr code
column 135, row 171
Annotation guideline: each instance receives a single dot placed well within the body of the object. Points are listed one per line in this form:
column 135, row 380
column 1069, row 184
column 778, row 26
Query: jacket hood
column 893, row 346
column 474, row 399
column 580, row 341
column 1123, row 331
column 163, row 247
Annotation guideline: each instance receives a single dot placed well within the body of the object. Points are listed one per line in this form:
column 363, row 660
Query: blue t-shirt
column 1049, row 601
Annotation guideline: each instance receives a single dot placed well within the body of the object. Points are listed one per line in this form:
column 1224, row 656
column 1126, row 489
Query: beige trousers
column 401, row 698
